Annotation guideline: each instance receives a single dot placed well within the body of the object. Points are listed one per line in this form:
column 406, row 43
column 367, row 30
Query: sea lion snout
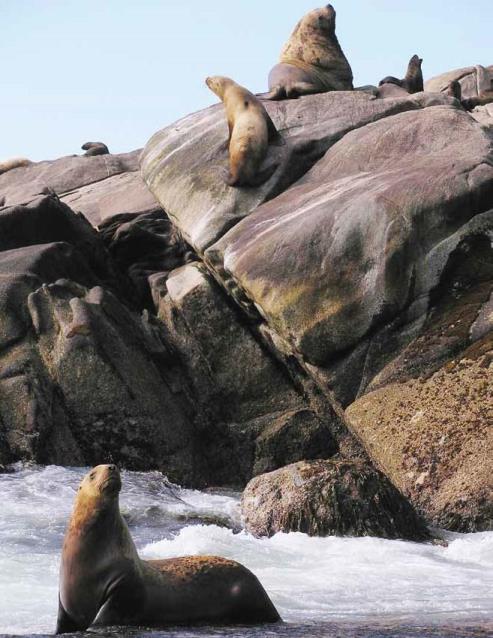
column 105, row 478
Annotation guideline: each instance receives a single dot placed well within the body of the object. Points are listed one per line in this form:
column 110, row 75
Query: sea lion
column 312, row 60
column 413, row 82
column 104, row 582
column 454, row 89
column 15, row 162
column 250, row 131
column 95, row 148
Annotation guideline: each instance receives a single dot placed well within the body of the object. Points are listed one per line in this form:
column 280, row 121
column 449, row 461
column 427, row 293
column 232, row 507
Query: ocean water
column 322, row 587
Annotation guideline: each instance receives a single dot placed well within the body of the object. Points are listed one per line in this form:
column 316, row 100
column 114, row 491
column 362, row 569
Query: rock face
column 183, row 164
column 328, row 498
column 220, row 333
column 346, row 258
column 427, row 415
column 473, row 80
column 99, row 187
column 376, row 245
column 264, row 416
column 82, row 378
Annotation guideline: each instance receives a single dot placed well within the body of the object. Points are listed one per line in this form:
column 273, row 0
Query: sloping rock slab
column 120, row 194
column 365, row 233
column 46, row 220
column 329, row 498
column 184, row 164
column 64, row 175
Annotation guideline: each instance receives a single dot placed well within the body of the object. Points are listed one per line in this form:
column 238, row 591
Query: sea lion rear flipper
column 65, row 624
column 276, row 93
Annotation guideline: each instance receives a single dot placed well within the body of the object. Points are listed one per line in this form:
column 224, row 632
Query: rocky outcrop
column 473, row 80
column 329, row 498
column 377, row 244
column 237, row 382
column 184, row 164
column 82, row 379
column 220, row 333
column 476, row 84
column 99, row 187
column 339, row 261
column 426, row 417
column 143, row 246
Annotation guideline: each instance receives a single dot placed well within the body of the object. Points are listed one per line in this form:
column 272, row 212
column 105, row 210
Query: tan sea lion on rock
column 95, row 148
column 250, row 131
column 413, row 82
column 104, row 582
column 312, row 60
column 15, row 162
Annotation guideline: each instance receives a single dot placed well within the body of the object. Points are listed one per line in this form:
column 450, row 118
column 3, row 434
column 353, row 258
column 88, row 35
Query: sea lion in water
column 95, row 148
column 413, row 82
column 15, row 162
column 104, row 582
column 250, row 131
column 312, row 60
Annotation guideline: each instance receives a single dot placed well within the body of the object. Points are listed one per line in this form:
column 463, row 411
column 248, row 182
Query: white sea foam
column 327, row 578
column 309, row 579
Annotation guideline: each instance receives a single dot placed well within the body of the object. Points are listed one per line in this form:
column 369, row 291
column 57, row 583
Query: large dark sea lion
column 412, row 82
column 95, row 148
column 250, row 131
column 104, row 582
column 312, row 60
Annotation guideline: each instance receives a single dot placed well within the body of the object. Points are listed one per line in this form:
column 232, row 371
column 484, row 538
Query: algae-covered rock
column 325, row 498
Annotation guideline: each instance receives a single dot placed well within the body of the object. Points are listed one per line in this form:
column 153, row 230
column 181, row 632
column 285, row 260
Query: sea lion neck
column 93, row 512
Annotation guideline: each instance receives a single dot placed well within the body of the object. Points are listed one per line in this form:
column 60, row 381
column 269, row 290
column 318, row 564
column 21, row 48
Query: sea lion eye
column 92, row 475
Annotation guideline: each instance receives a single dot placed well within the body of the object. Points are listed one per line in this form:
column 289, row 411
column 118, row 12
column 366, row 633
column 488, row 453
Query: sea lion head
column 102, row 483
column 416, row 61
column 217, row 84
column 323, row 20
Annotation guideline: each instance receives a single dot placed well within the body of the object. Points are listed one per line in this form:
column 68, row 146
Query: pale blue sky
column 116, row 71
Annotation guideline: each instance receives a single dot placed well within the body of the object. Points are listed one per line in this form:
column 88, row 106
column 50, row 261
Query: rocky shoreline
column 337, row 317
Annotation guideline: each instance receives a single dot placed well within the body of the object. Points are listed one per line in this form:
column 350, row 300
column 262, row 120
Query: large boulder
column 329, row 498
column 357, row 260
column 265, row 417
column 82, row 378
column 184, row 164
column 426, row 416
column 366, row 233
column 473, row 80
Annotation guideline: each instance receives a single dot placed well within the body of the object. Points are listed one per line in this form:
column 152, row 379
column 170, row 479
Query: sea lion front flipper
column 65, row 624
column 276, row 93
column 297, row 89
